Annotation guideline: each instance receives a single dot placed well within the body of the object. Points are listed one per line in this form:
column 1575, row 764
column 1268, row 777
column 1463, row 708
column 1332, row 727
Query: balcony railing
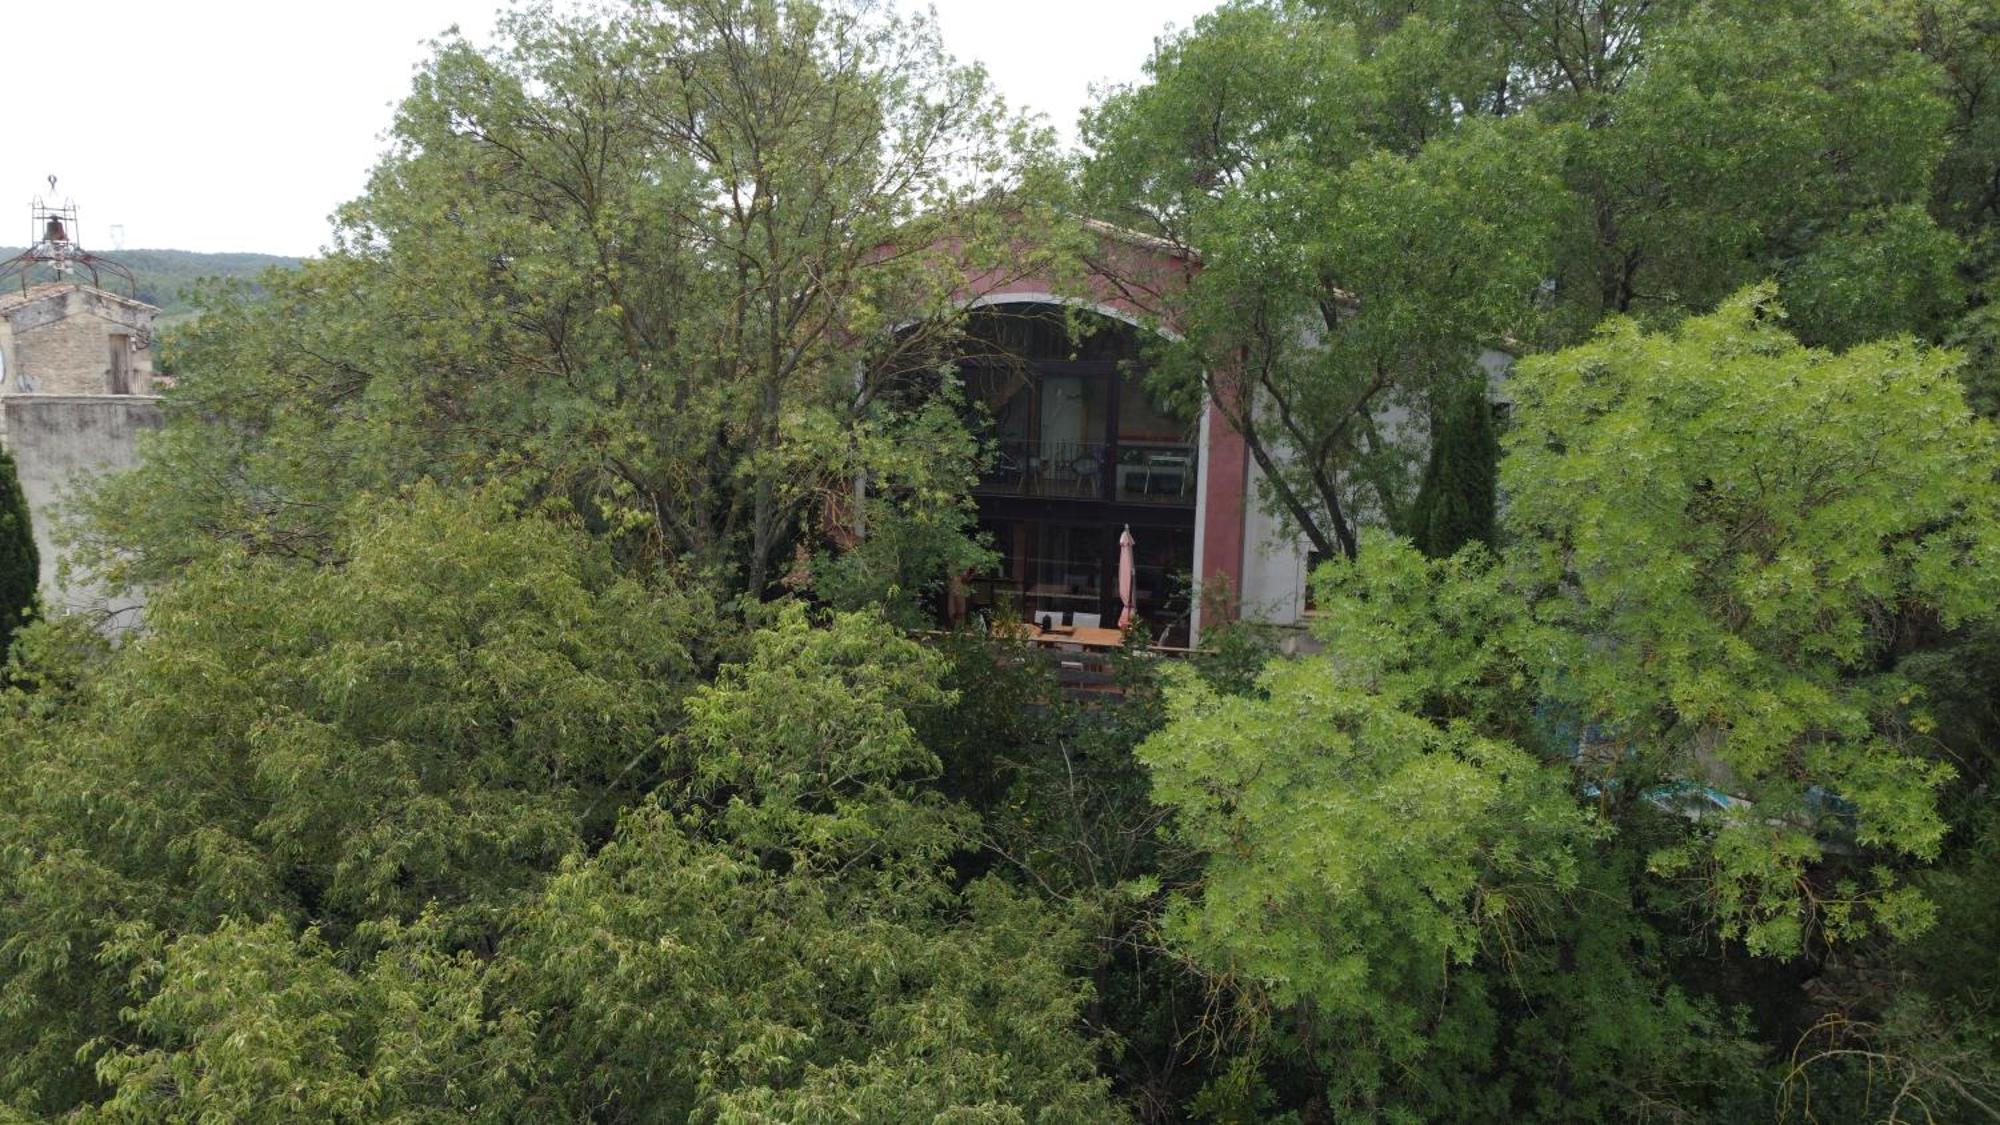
column 1127, row 472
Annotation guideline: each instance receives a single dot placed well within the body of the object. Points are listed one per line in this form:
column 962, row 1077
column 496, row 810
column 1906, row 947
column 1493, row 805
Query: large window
column 1081, row 450
column 1062, row 398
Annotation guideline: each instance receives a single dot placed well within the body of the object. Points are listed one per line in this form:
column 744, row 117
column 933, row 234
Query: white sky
column 240, row 124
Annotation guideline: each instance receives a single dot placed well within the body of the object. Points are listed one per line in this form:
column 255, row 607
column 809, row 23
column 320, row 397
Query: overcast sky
column 240, row 124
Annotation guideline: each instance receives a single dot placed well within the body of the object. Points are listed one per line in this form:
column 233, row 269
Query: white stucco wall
column 1274, row 564
column 1274, row 561
column 1200, row 525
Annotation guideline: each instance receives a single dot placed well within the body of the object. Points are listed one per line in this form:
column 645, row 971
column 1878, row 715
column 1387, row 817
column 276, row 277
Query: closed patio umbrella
column 1126, row 591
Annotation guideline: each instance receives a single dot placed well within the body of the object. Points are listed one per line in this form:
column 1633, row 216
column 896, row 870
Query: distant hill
column 164, row 276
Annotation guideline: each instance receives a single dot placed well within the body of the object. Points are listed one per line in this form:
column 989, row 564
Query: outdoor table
column 1084, row 636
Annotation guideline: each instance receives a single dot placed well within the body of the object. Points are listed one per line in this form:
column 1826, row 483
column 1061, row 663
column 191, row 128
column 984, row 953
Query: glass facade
column 1080, row 451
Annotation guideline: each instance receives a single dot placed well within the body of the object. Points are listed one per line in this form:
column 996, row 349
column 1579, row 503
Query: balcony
column 1125, row 472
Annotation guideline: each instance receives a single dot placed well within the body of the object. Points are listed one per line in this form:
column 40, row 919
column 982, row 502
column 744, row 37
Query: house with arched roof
column 1056, row 371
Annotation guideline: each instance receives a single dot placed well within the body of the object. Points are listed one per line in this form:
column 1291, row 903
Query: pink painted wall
column 1223, row 501
column 1125, row 276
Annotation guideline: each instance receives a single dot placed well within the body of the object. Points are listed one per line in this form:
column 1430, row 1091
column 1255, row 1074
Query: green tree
column 442, row 782
column 261, row 1022
column 782, row 903
column 1381, row 190
column 1355, row 256
column 648, row 260
column 1749, row 537
column 1961, row 38
column 1457, row 501
column 769, row 934
column 450, row 830
column 1692, row 687
column 20, row 563
column 917, row 524
column 1357, row 857
column 426, row 729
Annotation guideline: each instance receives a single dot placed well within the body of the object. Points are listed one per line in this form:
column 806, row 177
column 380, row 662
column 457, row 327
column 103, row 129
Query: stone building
column 1084, row 455
column 76, row 390
column 66, row 338
column 76, row 387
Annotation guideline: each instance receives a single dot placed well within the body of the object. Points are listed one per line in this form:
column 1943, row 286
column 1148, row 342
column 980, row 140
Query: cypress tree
column 20, row 563
column 1457, row 500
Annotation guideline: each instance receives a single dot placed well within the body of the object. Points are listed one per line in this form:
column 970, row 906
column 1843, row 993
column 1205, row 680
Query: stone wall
column 60, row 343
column 59, row 442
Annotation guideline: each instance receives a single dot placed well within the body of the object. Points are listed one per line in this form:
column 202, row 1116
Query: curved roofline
column 1041, row 298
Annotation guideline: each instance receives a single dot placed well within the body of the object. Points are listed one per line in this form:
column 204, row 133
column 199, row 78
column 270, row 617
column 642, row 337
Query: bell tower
column 71, row 322
column 54, row 254
column 76, row 383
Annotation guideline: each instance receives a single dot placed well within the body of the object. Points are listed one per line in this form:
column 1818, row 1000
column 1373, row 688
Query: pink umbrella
column 1125, row 568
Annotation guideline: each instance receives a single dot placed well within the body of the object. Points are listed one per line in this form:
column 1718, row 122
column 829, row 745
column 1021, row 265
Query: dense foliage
column 20, row 562
column 536, row 714
column 1383, row 190
column 460, row 827
column 1457, row 502
column 1685, row 707
column 637, row 261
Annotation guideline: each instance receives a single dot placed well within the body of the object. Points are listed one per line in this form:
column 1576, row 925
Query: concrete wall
column 60, row 442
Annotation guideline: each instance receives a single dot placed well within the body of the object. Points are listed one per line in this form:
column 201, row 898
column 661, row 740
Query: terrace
column 1081, row 449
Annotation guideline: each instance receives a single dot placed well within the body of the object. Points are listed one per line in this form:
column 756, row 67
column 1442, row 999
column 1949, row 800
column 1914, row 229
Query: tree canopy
column 536, row 713
column 20, row 561
column 1381, row 192
column 1690, row 681
column 646, row 261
